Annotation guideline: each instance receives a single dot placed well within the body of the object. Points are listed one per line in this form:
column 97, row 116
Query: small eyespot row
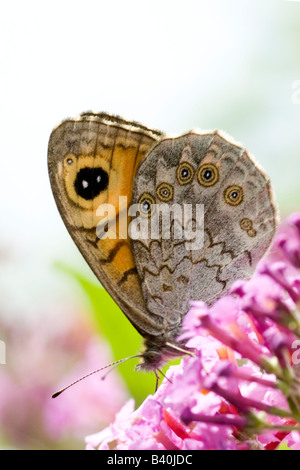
column 251, row 232
column 246, row 224
column 208, row 174
column 185, row 173
column 233, row 195
column 165, row 192
column 145, row 204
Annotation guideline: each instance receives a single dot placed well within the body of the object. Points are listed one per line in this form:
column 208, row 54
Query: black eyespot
column 165, row 192
column 246, row 224
column 146, row 206
column 208, row 174
column 233, row 195
column 90, row 182
column 251, row 233
column 69, row 161
column 185, row 173
column 146, row 202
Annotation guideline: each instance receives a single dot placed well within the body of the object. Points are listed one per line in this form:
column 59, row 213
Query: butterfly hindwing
column 238, row 221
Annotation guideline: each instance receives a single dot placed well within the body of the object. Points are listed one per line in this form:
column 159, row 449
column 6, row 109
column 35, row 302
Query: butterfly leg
column 157, row 380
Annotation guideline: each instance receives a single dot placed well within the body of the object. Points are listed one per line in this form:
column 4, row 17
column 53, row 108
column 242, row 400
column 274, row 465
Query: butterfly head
column 158, row 351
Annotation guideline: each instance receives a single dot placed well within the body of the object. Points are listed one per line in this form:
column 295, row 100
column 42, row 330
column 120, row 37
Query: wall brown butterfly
column 101, row 165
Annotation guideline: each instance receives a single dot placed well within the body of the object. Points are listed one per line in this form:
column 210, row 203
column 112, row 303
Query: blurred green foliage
column 112, row 324
column 283, row 446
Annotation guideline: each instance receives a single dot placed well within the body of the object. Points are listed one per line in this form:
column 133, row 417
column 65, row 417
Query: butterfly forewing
column 92, row 163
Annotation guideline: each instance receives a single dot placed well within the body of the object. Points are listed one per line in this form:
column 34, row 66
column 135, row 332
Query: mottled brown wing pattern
column 239, row 221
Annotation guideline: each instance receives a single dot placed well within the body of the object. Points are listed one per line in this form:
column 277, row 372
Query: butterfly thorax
column 159, row 350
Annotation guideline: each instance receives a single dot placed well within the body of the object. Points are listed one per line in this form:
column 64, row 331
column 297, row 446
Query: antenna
column 115, row 363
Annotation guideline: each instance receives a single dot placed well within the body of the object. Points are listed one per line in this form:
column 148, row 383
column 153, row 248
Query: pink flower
column 38, row 356
column 290, row 242
column 241, row 389
column 157, row 424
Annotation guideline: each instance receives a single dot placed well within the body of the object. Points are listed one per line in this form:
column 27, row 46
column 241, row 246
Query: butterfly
column 101, row 166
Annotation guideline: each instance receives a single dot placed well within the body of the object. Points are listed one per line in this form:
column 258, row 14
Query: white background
column 172, row 65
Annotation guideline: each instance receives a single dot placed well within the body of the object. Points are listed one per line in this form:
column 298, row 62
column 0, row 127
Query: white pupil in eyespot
column 85, row 184
column 69, row 161
column 207, row 174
